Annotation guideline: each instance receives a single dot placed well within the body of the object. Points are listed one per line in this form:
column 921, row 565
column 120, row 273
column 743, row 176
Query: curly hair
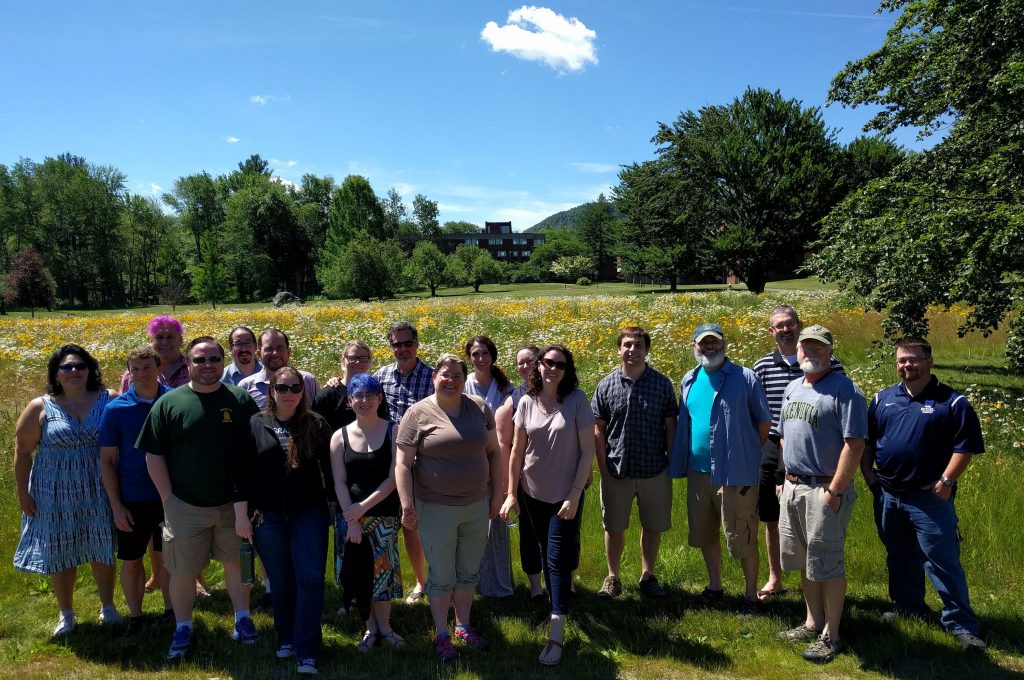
column 92, row 383
column 570, row 381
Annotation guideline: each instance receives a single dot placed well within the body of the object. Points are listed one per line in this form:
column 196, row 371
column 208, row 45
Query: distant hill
column 567, row 219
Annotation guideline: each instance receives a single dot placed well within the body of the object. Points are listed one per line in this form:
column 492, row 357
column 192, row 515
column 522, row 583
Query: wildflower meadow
column 624, row 638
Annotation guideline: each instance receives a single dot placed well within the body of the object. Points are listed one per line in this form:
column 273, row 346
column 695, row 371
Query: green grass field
column 624, row 638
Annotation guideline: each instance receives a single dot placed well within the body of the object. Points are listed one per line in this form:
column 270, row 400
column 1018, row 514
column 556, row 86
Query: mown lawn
column 628, row 637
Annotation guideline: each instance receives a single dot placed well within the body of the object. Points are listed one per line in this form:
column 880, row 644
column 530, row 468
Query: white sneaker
column 285, row 651
column 65, row 624
column 109, row 615
column 308, row 667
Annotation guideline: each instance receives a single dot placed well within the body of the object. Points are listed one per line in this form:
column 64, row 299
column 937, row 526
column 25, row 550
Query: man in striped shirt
column 775, row 370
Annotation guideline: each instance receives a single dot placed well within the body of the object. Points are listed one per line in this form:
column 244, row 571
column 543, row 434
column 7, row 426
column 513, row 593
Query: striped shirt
column 775, row 373
column 402, row 391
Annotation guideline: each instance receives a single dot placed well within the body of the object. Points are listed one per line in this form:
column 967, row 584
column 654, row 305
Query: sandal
column 768, row 594
column 415, row 596
column 394, row 640
column 549, row 648
column 367, row 643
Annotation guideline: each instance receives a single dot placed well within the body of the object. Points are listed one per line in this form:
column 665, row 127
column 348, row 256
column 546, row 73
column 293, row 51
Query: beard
column 812, row 365
column 709, row 362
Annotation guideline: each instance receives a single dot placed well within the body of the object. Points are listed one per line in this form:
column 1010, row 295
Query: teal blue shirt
column 698, row 402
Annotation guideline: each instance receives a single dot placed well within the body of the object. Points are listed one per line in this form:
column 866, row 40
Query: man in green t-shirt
column 190, row 438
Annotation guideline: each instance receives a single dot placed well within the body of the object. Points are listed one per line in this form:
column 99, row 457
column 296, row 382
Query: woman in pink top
column 551, row 460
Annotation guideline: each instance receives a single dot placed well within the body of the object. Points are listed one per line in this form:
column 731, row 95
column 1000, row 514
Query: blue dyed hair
column 364, row 382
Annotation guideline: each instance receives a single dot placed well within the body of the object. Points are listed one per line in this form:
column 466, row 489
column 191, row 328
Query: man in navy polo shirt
column 134, row 499
column 922, row 435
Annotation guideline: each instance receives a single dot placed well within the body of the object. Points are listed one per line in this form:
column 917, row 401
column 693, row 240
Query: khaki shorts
column 193, row 534
column 653, row 500
column 453, row 538
column 733, row 508
column 812, row 536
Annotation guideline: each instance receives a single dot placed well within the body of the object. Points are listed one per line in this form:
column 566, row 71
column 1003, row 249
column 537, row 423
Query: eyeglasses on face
column 76, row 366
column 551, row 363
column 243, row 344
column 363, row 396
column 402, row 343
column 295, row 388
column 199, row 361
column 357, row 359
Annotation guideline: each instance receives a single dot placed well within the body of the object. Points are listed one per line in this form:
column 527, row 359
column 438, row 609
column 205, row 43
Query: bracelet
column 834, row 494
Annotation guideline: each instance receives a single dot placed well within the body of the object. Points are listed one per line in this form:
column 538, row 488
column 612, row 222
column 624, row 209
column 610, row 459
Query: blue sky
column 497, row 110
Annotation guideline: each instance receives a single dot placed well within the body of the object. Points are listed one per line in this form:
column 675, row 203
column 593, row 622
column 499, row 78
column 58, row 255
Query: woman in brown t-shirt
column 447, row 455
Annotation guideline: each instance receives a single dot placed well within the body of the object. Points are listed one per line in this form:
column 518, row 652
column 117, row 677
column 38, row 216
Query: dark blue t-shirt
column 123, row 418
column 915, row 437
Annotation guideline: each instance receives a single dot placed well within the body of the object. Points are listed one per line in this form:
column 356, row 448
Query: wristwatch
column 834, row 494
column 946, row 481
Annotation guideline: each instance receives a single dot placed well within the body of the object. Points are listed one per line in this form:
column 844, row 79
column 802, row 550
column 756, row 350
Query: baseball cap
column 706, row 329
column 819, row 333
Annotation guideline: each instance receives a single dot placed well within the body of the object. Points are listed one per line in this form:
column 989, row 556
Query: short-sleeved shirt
column 738, row 408
column 775, row 371
column 402, row 391
column 332, row 404
column 258, row 386
column 816, row 420
column 197, row 434
column 233, row 376
column 916, row 436
column 122, row 420
column 553, row 446
column 451, row 466
column 634, row 412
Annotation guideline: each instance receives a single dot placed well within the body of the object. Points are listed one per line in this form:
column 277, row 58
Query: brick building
column 504, row 244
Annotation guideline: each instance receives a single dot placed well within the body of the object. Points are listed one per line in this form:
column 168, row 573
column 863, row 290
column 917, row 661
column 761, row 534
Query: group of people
column 193, row 458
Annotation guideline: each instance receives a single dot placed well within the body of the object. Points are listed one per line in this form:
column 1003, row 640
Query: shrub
column 583, row 281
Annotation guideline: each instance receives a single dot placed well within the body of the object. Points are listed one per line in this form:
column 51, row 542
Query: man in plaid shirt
column 635, row 409
column 406, row 382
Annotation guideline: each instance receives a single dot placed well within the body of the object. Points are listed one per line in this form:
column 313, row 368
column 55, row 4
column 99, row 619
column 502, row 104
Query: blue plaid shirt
column 634, row 412
column 402, row 391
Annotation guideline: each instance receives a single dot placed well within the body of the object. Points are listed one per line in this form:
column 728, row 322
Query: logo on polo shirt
column 225, row 416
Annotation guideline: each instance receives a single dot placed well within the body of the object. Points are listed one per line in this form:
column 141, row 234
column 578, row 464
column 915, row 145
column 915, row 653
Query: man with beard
column 165, row 336
column 823, row 424
column 635, row 419
column 244, row 363
column 275, row 352
column 775, row 370
column 190, row 437
column 923, row 435
column 723, row 422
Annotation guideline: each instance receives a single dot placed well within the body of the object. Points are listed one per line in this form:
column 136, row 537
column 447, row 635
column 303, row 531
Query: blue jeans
column 920, row 533
column 559, row 541
column 293, row 549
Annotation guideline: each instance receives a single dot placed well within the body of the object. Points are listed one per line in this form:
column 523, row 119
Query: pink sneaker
column 470, row 637
column 443, row 646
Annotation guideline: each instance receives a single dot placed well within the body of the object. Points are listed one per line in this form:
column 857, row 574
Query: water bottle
column 247, row 563
column 513, row 519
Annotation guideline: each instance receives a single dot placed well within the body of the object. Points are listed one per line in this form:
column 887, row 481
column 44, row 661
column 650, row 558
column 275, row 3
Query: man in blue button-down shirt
column 724, row 420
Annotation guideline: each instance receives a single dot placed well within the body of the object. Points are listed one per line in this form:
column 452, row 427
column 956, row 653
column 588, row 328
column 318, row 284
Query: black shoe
column 135, row 625
column 708, row 598
column 971, row 642
column 650, row 587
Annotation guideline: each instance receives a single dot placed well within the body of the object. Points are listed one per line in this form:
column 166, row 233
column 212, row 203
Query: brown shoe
column 612, row 587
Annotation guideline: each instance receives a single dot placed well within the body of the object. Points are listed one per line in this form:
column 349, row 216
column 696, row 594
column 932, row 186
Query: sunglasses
column 199, row 361
column 281, row 388
column 77, row 366
column 403, row 343
column 551, row 363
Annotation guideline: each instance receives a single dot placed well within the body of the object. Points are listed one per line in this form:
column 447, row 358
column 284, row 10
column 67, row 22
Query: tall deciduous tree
column 595, row 229
column 425, row 212
column 948, row 224
column 475, row 266
column 430, row 266
column 769, row 167
column 366, row 269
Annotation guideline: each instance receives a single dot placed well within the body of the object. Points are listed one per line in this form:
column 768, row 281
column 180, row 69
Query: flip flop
column 415, row 596
column 367, row 643
column 544, row 652
column 767, row 594
column 394, row 640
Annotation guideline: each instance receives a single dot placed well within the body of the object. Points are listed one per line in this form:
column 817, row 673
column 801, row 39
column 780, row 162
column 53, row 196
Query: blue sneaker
column 180, row 643
column 245, row 631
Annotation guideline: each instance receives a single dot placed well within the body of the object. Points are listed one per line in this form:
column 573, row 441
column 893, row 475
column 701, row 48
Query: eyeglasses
column 243, row 344
column 280, row 349
column 77, row 366
column 402, row 343
column 281, row 388
column 362, row 396
column 199, row 361
column 786, row 325
column 551, row 363
column 528, row 362
column 357, row 359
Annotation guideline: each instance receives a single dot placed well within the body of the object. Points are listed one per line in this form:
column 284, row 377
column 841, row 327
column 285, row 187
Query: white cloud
column 539, row 34
column 263, row 99
column 155, row 188
column 598, row 168
column 284, row 182
column 280, row 163
column 232, row 140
